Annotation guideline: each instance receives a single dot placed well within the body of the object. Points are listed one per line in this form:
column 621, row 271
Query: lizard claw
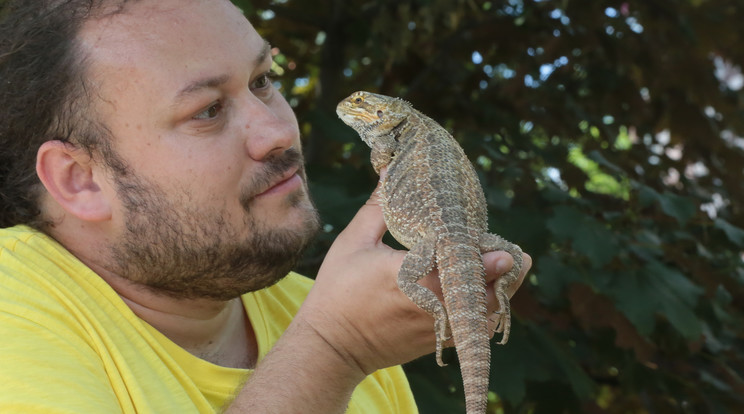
column 439, row 357
column 494, row 317
column 502, row 319
column 440, row 328
column 502, row 326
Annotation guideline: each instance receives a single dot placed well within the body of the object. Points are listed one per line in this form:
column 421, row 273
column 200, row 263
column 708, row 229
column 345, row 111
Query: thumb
column 368, row 225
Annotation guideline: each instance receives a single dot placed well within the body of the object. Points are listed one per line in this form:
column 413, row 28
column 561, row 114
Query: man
column 151, row 176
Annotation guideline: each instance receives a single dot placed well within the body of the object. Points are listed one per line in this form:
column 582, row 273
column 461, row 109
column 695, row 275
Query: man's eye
column 211, row 112
column 263, row 81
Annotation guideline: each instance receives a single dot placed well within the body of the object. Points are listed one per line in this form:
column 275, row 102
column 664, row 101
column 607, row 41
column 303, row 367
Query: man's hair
column 44, row 95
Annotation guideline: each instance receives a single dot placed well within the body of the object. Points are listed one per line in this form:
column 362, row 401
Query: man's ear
column 72, row 179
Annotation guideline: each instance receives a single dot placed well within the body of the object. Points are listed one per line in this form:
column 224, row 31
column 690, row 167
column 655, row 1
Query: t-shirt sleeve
column 44, row 365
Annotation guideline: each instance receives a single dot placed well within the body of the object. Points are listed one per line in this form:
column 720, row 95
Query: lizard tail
column 463, row 284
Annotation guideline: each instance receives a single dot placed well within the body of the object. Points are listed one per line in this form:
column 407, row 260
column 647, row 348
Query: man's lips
column 289, row 180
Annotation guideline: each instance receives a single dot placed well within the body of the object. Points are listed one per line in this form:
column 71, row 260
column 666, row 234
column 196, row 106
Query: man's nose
column 269, row 129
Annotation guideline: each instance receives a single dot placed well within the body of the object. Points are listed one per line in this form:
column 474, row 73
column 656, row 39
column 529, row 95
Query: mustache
column 273, row 170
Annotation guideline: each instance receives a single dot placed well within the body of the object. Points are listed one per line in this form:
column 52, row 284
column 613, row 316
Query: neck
column 216, row 331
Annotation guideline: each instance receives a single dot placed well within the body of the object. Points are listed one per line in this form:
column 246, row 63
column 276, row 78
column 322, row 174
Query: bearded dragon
column 433, row 204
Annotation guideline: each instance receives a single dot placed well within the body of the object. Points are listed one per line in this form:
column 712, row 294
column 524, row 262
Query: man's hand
column 357, row 307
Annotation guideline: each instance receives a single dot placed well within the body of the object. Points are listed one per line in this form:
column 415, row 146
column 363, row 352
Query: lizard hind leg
column 502, row 317
column 418, row 263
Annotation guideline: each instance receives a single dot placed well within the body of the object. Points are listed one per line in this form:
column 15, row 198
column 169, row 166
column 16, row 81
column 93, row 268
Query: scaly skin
column 433, row 204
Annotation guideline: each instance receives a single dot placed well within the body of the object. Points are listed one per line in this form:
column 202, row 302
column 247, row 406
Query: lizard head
column 373, row 115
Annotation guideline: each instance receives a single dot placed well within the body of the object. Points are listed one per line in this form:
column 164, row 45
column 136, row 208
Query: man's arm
column 301, row 374
column 354, row 321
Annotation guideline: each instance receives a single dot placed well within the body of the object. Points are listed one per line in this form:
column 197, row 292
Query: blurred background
column 609, row 139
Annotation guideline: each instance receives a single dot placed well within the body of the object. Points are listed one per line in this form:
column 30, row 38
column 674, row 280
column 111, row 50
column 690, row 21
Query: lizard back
column 431, row 185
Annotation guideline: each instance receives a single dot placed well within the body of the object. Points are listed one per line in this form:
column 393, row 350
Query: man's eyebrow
column 211, row 82
column 216, row 81
column 265, row 52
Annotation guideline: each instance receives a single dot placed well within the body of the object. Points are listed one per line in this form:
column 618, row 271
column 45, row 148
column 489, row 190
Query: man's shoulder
column 12, row 237
column 23, row 241
column 24, row 249
column 38, row 271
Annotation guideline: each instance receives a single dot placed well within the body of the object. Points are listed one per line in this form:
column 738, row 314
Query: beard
column 182, row 251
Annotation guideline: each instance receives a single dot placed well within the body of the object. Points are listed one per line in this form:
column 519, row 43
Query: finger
column 497, row 263
column 375, row 198
column 368, row 225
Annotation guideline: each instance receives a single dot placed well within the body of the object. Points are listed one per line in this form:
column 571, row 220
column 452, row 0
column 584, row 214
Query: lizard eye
column 380, row 114
column 358, row 100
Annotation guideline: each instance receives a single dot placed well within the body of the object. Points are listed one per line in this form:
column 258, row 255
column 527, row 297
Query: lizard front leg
column 417, row 263
column 382, row 152
column 491, row 242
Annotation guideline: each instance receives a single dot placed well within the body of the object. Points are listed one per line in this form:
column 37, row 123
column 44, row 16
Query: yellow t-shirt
column 69, row 344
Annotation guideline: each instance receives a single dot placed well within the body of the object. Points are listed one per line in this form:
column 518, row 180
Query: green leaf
column 580, row 382
column 735, row 234
column 597, row 157
column 634, row 298
column 516, row 363
column 677, row 297
column 533, row 355
column 590, row 237
column 553, row 276
column 681, row 208
column 647, row 196
column 428, row 391
column 596, row 242
column 564, row 222
column 657, row 289
column 497, row 198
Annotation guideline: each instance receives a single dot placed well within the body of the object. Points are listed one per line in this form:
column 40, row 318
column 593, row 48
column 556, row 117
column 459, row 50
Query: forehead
column 162, row 42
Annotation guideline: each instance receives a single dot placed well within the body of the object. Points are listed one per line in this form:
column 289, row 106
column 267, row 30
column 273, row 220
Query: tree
column 608, row 138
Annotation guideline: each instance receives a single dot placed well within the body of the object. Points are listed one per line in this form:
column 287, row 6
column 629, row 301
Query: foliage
column 607, row 135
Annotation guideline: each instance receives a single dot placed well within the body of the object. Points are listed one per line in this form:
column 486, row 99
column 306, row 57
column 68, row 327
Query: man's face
column 207, row 168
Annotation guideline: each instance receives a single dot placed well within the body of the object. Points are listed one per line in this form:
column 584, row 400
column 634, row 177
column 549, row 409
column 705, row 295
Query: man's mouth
column 280, row 176
column 288, row 181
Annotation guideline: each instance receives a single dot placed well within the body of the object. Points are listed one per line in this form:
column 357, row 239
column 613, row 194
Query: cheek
column 209, row 174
